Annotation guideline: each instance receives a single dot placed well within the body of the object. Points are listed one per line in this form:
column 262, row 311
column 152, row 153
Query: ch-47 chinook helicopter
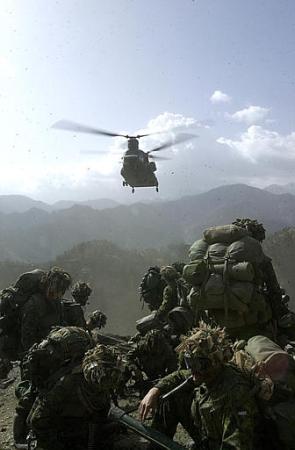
column 137, row 169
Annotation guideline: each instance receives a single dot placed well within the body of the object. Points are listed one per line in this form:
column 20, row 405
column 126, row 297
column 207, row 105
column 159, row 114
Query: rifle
column 118, row 415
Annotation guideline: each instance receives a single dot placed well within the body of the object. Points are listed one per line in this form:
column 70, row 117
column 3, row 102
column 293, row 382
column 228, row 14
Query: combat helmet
column 255, row 229
column 70, row 342
column 178, row 266
column 62, row 347
column 205, row 344
column 97, row 319
column 80, row 292
column 169, row 273
column 103, row 365
column 57, row 280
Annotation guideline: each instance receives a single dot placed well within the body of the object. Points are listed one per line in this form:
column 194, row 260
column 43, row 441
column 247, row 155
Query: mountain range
column 21, row 203
column 38, row 235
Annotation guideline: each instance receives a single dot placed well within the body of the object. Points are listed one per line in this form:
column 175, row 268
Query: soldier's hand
column 149, row 403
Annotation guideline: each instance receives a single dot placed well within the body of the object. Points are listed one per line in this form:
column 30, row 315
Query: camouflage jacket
column 170, row 300
column 225, row 412
column 64, row 411
column 38, row 317
column 271, row 283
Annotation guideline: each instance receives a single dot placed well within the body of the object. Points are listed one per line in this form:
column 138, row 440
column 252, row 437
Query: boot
column 20, row 432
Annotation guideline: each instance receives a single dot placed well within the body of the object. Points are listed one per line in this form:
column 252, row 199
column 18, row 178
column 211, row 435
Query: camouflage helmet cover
column 102, row 364
column 169, row 273
column 256, row 229
column 57, row 279
column 207, row 342
column 81, row 290
column 98, row 319
column 72, row 342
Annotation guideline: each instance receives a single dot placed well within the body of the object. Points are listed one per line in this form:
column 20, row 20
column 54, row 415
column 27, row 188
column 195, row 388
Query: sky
column 220, row 69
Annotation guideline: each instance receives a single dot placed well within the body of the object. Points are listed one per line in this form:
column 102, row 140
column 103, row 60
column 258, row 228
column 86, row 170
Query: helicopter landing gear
column 157, row 189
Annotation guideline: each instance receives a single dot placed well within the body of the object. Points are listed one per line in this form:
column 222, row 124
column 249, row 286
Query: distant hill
column 100, row 203
column 281, row 188
column 38, row 235
column 21, row 203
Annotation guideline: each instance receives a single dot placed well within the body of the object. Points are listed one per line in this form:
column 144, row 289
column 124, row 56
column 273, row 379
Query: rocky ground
column 7, row 407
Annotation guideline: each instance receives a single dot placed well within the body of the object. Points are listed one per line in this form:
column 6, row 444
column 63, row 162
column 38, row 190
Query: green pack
column 62, row 346
column 224, row 277
column 198, row 250
column 13, row 298
column 196, row 272
column 225, row 234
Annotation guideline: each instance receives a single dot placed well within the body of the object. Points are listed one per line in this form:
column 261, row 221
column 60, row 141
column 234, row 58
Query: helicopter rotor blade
column 138, row 136
column 98, row 152
column 159, row 158
column 79, row 128
column 180, row 138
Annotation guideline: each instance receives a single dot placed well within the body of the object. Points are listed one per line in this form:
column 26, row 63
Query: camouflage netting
column 169, row 273
column 81, row 290
column 57, row 278
column 70, row 342
column 102, row 363
column 208, row 342
column 254, row 228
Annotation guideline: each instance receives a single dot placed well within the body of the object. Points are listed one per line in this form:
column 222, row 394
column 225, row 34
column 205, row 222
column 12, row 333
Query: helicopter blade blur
column 178, row 139
column 98, row 152
column 159, row 158
column 79, row 128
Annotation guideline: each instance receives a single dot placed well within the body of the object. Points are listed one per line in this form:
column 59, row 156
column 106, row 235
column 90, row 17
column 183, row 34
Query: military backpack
column 13, row 298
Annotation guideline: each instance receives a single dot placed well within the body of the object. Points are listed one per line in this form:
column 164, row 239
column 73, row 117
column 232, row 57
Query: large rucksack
column 13, row 298
column 151, row 288
column 223, row 271
column 64, row 347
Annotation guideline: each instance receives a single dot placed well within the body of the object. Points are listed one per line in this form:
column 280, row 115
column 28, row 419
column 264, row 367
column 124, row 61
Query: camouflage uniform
column 222, row 415
column 81, row 292
column 39, row 315
column 170, row 293
column 266, row 274
column 44, row 310
column 221, row 411
column 64, row 415
column 154, row 355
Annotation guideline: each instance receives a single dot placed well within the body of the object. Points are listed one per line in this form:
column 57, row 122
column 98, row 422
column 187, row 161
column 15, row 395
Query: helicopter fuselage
column 137, row 170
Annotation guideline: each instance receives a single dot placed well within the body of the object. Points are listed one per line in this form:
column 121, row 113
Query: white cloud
column 259, row 144
column 250, row 115
column 170, row 121
column 170, row 124
column 219, row 97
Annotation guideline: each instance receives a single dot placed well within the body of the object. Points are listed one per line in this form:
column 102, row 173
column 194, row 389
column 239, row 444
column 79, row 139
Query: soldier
column 153, row 355
column 97, row 319
column 81, row 292
column 43, row 310
column 170, row 294
column 268, row 279
column 73, row 411
column 151, row 288
column 216, row 405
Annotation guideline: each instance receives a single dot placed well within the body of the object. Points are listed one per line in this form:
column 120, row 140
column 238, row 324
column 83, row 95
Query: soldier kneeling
column 72, row 406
